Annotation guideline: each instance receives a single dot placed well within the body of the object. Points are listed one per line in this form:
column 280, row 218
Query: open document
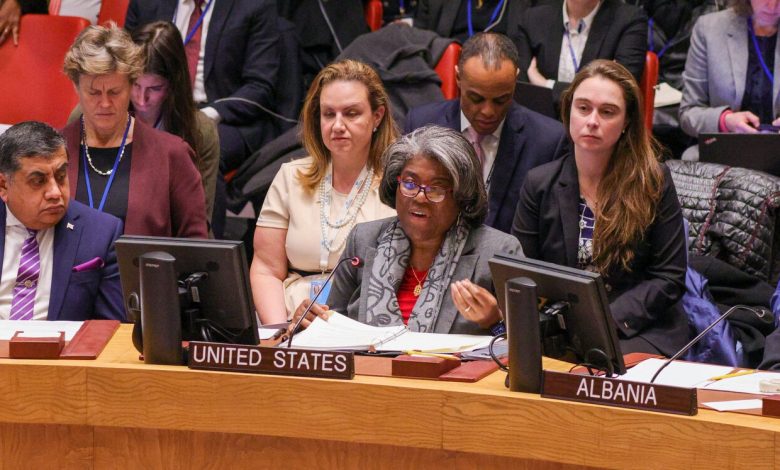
column 342, row 333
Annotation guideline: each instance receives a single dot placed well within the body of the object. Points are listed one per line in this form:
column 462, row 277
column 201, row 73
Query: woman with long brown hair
column 611, row 207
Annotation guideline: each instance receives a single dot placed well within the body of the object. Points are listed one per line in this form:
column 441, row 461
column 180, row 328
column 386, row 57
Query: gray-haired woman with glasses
column 427, row 267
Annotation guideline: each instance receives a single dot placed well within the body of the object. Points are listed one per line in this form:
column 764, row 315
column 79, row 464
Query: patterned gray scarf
column 387, row 272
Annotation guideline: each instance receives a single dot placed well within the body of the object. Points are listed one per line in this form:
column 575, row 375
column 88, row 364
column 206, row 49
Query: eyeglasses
column 432, row 193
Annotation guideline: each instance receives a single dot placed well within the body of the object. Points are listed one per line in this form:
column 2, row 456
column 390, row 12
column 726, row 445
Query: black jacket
column 644, row 301
column 618, row 32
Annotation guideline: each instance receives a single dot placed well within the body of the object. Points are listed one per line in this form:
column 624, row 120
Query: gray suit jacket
column 347, row 295
column 716, row 70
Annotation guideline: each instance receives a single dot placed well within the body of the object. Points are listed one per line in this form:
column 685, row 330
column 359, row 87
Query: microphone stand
column 700, row 335
column 355, row 261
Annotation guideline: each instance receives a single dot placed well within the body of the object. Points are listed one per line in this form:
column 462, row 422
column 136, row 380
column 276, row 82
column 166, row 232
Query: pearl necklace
column 350, row 215
column 86, row 149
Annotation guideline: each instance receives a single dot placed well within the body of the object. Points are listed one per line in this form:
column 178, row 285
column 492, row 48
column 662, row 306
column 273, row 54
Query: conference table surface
column 117, row 412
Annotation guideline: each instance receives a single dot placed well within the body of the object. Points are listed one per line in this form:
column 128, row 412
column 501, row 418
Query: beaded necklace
column 355, row 200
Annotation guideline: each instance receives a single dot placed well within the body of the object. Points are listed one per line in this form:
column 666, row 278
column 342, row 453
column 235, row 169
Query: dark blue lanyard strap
column 758, row 52
column 571, row 50
column 651, row 41
column 113, row 170
column 492, row 17
column 195, row 28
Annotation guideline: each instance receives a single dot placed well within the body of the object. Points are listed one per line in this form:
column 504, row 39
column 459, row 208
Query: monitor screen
column 216, row 306
column 587, row 321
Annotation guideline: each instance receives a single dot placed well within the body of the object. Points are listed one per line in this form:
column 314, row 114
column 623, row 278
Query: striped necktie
column 476, row 140
column 23, row 302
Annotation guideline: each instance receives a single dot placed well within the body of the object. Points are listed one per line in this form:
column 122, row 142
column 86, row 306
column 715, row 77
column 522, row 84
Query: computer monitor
column 214, row 293
column 587, row 322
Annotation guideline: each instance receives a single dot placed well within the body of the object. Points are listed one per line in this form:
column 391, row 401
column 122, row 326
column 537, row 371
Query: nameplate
column 264, row 360
column 620, row 393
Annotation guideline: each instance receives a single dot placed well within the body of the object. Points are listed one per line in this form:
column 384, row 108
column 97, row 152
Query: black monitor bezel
column 601, row 332
column 133, row 246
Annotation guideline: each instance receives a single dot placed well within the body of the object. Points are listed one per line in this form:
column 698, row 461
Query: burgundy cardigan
column 165, row 196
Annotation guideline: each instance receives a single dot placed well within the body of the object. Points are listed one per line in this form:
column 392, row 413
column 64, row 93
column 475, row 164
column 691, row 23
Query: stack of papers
column 342, row 333
column 39, row 329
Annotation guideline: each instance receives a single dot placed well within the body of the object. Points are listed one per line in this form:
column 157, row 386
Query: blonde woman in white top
column 313, row 203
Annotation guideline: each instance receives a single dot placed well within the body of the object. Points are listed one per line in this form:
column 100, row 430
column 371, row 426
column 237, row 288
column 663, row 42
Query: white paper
column 678, row 373
column 341, row 332
column 32, row 328
column 4, row 127
column 666, row 95
column 734, row 405
column 744, row 383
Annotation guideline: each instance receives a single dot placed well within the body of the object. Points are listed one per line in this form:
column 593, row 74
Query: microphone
column 354, row 261
column 701, row 335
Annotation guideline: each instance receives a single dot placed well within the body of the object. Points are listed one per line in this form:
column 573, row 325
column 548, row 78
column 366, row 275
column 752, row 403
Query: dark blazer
column 241, row 58
column 528, row 139
column 166, row 197
column 348, row 297
column 618, row 32
column 644, row 301
column 82, row 235
column 440, row 15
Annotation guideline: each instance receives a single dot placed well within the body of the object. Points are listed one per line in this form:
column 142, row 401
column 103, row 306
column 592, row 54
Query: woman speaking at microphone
column 427, row 268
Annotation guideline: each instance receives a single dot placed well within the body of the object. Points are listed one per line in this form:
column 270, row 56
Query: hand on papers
column 534, row 76
column 318, row 310
column 475, row 303
column 742, row 122
column 10, row 11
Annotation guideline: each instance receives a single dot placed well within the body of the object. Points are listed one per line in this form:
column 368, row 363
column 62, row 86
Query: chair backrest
column 647, row 84
column 446, row 71
column 32, row 84
column 113, row 10
column 374, row 11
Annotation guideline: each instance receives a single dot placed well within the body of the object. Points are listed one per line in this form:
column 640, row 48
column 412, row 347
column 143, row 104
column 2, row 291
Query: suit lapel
column 567, row 196
column 554, row 41
column 66, row 243
column 449, row 12
column 166, row 9
column 776, row 82
column 510, row 148
column 364, row 282
column 598, row 32
column 737, row 38
column 464, row 270
column 2, row 237
column 217, row 23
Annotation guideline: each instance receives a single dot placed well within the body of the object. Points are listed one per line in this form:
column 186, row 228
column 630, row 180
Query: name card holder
column 47, row 347
column 620, row 393
column 266, row 360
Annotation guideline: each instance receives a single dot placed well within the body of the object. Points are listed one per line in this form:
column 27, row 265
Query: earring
column 375, row 129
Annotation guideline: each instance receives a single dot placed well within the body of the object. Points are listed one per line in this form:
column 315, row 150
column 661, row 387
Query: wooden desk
column 116, row 412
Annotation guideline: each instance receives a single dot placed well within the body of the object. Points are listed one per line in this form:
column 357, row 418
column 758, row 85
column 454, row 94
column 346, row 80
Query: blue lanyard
column 758, row 52
column 571, row 49
column 492, row 17
column 401, row 7
column 113, row 170
column 651, row 42
column 197, row 24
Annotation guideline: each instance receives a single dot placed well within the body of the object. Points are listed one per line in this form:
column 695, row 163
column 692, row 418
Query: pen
column 733, row 374
column 440, row 356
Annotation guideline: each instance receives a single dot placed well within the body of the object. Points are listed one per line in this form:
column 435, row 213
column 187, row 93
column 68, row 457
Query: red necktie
column 192, row 48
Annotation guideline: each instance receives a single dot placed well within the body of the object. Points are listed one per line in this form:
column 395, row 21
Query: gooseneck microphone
column 759, row 314
column 354, row 261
